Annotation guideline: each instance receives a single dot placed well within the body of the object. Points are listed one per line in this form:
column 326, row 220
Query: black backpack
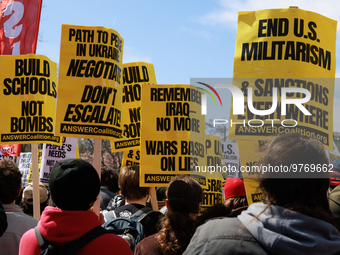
column 131, row 230
column 48, row 248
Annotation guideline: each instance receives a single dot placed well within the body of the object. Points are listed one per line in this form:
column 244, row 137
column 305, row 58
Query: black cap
column 74, row 184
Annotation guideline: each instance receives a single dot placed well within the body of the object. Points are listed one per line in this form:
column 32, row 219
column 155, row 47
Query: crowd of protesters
column 296, row 216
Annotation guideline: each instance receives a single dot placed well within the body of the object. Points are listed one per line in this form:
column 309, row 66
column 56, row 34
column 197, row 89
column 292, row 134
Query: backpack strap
column 72, row 247
column 43, row 243
column 142, row 213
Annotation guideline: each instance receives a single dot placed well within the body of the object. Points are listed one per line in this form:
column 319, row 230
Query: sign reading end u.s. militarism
column 90, row 83
column 28, row 99
column 284, row 69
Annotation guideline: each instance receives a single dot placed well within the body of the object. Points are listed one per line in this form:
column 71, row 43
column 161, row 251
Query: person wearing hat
column 235, row 196
column 184, row 198
column 74, row 187
column 294, row 217
column 18, row 222
column 26, row 203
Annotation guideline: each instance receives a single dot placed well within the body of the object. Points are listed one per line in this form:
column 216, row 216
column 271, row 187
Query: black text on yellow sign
column 28, row 97
column 285, row 49
column 100, row 44
column 90, row 83
column 212, row 194
column 173, row 137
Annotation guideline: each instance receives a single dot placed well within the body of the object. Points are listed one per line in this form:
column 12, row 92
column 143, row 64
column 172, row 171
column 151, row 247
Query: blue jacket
column 275, row 231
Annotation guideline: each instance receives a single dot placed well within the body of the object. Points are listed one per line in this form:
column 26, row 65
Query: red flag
column 10, row 149
column 19, row 26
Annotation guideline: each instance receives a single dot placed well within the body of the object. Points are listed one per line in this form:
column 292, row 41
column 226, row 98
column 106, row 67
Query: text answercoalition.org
column 263, row 169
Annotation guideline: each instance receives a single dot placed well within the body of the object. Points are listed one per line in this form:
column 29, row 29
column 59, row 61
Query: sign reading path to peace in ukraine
column 285, row 50
column 28, row 99
column 90, row 83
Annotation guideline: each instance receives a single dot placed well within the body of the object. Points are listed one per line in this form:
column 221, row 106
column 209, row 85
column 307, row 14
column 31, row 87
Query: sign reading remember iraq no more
column 90, row 83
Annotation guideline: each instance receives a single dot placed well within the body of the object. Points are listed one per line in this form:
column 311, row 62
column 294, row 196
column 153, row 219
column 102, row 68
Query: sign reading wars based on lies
column 28, row 99
column 90, row 83
column 284, row 69
column 172, row 134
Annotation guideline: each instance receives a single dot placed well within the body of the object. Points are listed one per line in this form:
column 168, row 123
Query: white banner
column 53, row 153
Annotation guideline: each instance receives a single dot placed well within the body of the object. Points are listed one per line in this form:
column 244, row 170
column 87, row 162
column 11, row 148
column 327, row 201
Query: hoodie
column 276, row 231
column 283, row 231
column 60, row 227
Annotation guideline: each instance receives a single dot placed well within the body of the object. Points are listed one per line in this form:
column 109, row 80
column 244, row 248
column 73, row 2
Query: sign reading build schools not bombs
column 28, row 99
column 90, row 83
column 172, row 133
column 134, row 74
column 284, row 68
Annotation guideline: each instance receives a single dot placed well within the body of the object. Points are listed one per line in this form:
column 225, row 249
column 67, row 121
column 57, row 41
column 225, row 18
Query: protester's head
column 184, row 194
column 27, row 195
column 184, row 197
column 74, row 184
column 305, row 195
column 128, row 182
column 10, row 181
column 234, row 193
column 160, row 193
column 27, row 198
column 109, row 179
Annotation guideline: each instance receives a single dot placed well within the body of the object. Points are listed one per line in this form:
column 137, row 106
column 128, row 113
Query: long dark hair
column 178, row 226
column 308, row 194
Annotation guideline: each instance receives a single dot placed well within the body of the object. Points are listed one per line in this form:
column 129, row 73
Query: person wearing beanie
column 235, row 196
column 184, row 198
column 74, row 186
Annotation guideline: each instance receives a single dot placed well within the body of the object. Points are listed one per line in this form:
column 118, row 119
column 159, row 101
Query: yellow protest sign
column 284, row 66
column 134, row 74
column 216, row 171
column 214, row 166
column 28, row 99
column 172, row 133
column 29, row 179
column 251, row 152
column 90, row 83
column 131, row 157
column 212, row 195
